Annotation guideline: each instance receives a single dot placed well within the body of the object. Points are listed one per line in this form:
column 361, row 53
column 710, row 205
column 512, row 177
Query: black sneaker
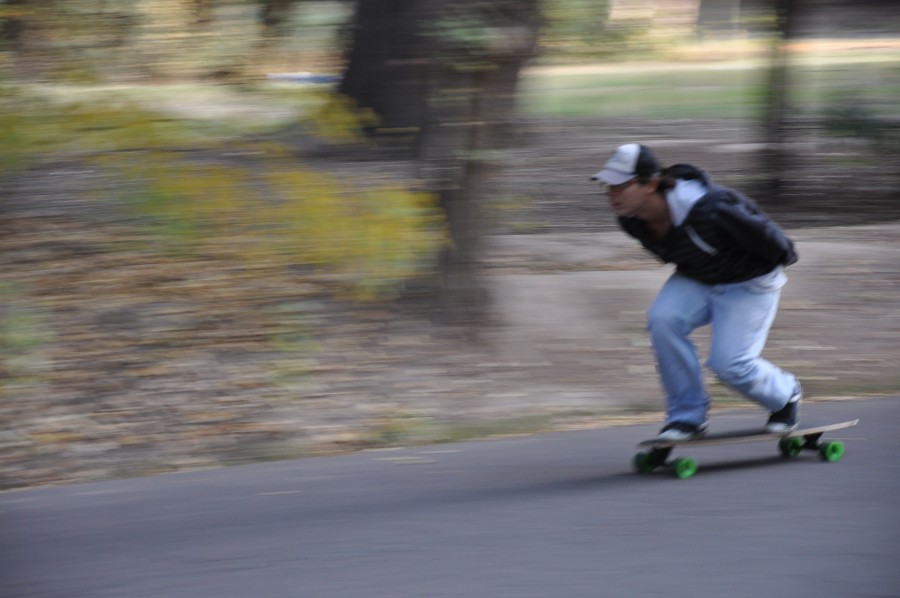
column 788, row 417
column 681, row 431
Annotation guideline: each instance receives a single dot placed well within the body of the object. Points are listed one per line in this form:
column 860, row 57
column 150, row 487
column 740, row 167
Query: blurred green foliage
column 337, row 119
column 851, row 115
column 855, row 117
column 23, row 127
column 372, row 236
column 87, row 41
column 25, row 333
column 249, row 200
column 36, row 127
column 578, row 29
column 367, row 240
column 700, row 90
column 649, row 92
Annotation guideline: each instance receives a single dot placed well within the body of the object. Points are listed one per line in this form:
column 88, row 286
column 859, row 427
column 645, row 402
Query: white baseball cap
column 627, row 162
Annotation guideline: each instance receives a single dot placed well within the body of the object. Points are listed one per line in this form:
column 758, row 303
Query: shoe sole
column 781, row 430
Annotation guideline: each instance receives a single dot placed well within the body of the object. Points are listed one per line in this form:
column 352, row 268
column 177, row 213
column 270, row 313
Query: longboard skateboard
column 790, row 444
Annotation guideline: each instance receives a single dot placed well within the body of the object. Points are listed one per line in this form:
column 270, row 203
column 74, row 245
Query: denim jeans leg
column 681, row 306
column 741, row 318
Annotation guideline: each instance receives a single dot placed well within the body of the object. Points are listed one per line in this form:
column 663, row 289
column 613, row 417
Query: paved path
column 548, row 515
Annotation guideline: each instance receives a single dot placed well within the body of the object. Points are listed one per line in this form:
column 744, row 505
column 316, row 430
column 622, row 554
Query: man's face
column 629, row 198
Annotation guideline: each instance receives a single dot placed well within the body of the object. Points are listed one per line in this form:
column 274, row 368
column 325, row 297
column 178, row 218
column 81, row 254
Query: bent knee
column 731, row 370
column 665, row 318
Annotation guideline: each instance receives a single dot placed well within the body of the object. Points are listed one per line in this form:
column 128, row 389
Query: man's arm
column 754, row 231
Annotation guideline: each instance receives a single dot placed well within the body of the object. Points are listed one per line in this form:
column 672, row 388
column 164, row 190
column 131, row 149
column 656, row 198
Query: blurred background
column 241, row 230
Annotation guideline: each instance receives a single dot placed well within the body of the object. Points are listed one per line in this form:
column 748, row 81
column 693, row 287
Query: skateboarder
column 730, row 260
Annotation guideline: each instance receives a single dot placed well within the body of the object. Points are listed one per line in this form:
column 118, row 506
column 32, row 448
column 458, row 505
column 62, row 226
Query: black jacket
column 725, row 238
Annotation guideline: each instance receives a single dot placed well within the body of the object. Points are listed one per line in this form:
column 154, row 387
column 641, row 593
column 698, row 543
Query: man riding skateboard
column 730, row 259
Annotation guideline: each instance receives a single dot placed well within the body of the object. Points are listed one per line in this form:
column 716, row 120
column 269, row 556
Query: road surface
column 556, row 514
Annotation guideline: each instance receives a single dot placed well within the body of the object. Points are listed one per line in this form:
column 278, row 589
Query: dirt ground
column 152, row 367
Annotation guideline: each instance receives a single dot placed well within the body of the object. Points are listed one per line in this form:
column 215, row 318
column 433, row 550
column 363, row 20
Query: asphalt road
column 547, row 515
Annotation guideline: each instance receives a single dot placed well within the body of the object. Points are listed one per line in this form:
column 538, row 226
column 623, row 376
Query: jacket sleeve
column 753, row 231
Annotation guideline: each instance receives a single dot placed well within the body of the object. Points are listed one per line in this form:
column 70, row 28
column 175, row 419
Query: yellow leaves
column 15, row 143
column 246, row 201
column 34, row 127
column 376, row 236
column 17, row 130
column 120, row 125
column 367, row 239
column 340, row 121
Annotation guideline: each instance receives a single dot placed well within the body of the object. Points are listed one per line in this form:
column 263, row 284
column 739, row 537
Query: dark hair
column 647, row 166
column 685, row 172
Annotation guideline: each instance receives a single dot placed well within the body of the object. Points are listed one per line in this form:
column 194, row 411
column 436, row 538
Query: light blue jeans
column 741, row 315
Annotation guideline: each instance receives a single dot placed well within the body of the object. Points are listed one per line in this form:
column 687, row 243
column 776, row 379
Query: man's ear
column 652, row 184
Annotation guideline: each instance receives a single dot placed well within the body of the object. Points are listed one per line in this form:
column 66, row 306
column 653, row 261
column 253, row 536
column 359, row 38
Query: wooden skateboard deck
column 790, row 444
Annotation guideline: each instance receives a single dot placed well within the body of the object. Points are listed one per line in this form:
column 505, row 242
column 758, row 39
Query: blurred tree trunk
column 777, row 108
column 446, row 71
column 387, row 62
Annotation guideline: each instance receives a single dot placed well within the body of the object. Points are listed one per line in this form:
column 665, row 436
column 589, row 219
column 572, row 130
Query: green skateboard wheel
column 684, row 467
column 831, row 451
column 790, row 447
column 643, row 463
